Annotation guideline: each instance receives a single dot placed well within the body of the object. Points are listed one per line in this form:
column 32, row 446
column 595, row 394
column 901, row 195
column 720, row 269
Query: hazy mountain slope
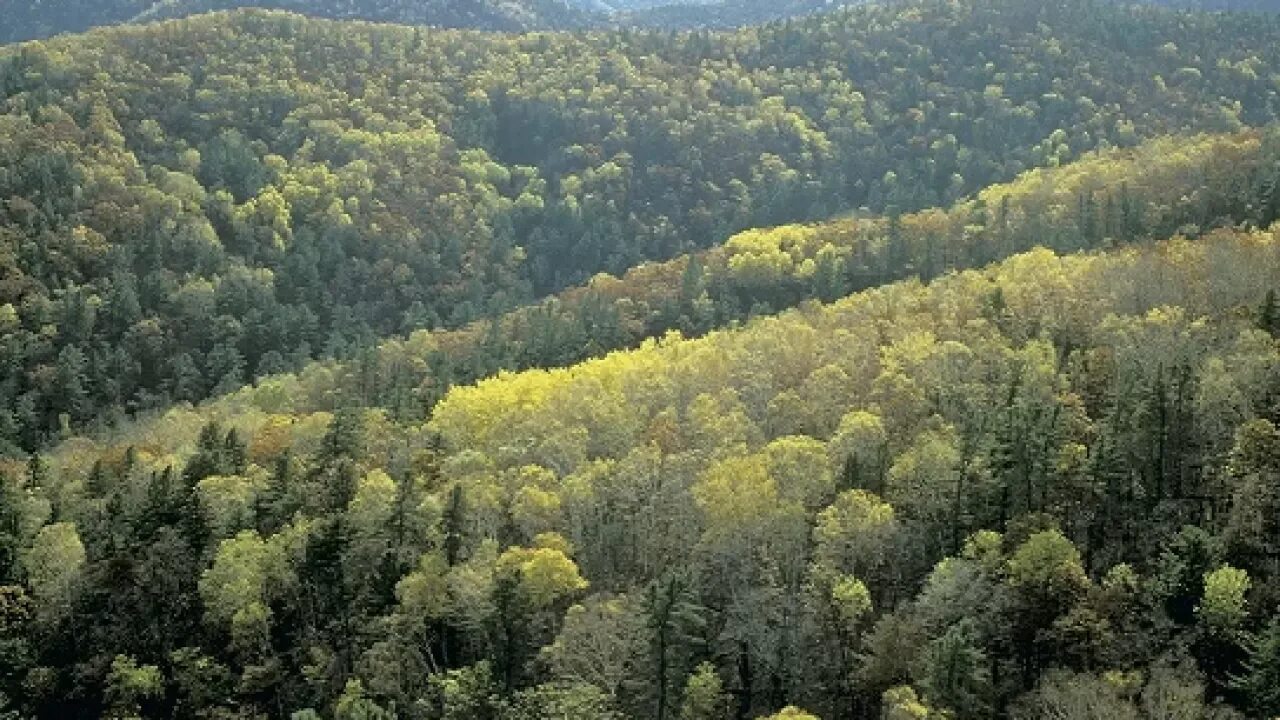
column 1269, row 6
column 43, row 18
column 34, row 20
column 501, row 15
column 722, row 15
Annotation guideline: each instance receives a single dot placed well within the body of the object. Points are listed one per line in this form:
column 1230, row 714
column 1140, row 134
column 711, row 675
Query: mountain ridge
column 42, row 20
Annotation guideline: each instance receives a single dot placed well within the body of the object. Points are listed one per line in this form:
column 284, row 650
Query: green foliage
column 353, row 704
column 1069, row 695
column 1048, row 566
column 770, row 515
column 704, row 695
column 1223, row 607
column 53, row 565
column 457, row 588
column 1260, row 681
column 603, row 643
column 128, row 684
column 955, row 673
column 200, row 233
column 852, row 599
column 902, row 703
column 544, row 575
column 463, row 693
column 571, row 702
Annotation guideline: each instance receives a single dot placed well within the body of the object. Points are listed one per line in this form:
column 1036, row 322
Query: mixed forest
column 197, row 204
column 908, row 361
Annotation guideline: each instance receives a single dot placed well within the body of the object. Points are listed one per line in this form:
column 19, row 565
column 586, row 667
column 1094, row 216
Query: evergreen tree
column 1260, row 680
column 675, row 621
column 1269, row 314
column 704, row 696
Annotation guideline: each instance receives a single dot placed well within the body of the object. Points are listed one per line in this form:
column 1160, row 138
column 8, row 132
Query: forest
column 179, row 223
column 917, row 360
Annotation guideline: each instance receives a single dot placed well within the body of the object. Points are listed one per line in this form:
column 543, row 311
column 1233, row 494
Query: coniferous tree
column 675, row 622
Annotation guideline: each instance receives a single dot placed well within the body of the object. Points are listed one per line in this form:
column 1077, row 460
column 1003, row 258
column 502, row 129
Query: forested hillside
column 194, row 204
column 263, row 460
column 1187, row 185
column 1014, row 490
column 914, row 361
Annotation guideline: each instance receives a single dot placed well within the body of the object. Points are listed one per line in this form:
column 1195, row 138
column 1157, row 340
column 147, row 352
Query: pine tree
column 97, row 482
column 1269, row 314
column 1087, row 222
column 454, row 525
column 692, row 284
column 1003, row 240
column 704, row 696
column 207, row 459
column 10, row 529
column 1130, row 219
column 235, row 454
column 955, row 673
column 73, row 383
column 850, row 475
column 1260, row 681
column 1111, row 476
column 344, row 439
column 899, row 255
column 675, row 620
column 275, row 504
column 159, row 507
column 1268, row 198
column 37, row 472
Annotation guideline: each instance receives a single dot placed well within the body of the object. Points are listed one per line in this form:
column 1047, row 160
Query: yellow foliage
column 735, row 493
column 228, row 499
column 535, row 510
column 374, row 502
column 545, row 575
column 853, row 531
column 851, row 598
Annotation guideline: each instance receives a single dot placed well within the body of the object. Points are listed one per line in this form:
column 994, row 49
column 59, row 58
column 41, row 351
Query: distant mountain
column 501, row 15
column 1233, row 5
column 725, row 15
column 36, row 19
column 738, row 13
column 43, row 18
